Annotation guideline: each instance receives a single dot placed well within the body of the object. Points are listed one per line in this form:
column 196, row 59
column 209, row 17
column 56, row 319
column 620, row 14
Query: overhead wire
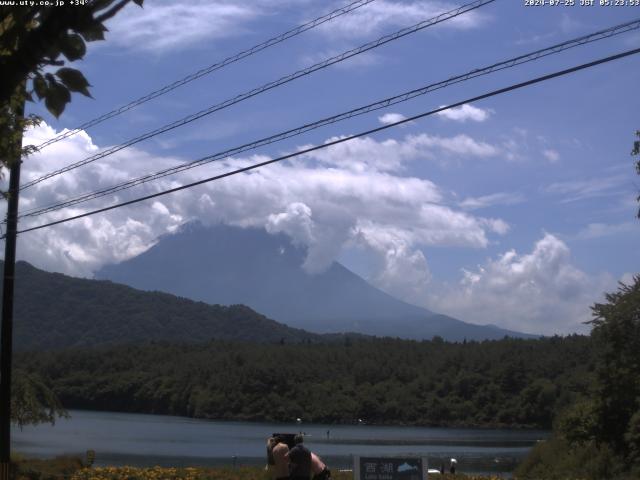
column 210, row 69
column 512, row 62
column 268, row 86
column 342, row 139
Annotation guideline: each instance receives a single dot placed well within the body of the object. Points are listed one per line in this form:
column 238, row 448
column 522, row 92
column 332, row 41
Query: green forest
column 495, row 383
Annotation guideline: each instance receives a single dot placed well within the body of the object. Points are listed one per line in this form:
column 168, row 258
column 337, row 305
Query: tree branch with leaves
column 32, row 401
column 34, row 38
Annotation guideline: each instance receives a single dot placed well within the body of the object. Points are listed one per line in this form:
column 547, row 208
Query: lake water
column 147, row 440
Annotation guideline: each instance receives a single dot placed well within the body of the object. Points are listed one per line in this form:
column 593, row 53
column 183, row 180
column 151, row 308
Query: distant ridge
column 232, row 265
column 54, row 311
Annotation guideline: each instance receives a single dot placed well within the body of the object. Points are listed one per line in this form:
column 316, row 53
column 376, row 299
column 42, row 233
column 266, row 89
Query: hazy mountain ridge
column 230, row 265
column 55, row 311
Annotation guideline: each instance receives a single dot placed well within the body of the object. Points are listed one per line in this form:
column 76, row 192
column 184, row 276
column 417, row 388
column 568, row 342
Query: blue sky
column 518, row 210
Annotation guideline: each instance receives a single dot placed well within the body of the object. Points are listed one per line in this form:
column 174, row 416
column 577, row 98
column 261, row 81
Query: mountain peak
column 231, row 265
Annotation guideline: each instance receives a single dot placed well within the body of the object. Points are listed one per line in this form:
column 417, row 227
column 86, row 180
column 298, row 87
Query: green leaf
column 138, row 2
column 40, row 86
column 74, row 80
column 57, row 98
column 73, row 47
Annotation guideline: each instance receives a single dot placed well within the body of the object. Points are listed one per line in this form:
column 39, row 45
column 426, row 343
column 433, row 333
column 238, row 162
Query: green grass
column 51, row 469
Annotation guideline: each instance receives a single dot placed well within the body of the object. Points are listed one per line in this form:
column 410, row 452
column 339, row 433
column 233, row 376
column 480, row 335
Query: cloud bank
column 164, row 26
column 353, row 192
column 540, row 291
column 173, row 25
column 385, row 15
column 356, row 194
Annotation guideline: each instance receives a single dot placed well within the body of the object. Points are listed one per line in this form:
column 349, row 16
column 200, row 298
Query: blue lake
column 147, row 440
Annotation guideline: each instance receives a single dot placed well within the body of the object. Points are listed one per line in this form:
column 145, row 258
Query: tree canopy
column 33, row 39
column 617, row 333
column 599, row 435
column 509, row 382
column 32, row 401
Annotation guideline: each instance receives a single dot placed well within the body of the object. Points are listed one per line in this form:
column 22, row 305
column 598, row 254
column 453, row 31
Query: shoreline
column 390, row 424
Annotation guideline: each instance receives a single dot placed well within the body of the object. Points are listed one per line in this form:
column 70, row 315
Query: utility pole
column 6, row 330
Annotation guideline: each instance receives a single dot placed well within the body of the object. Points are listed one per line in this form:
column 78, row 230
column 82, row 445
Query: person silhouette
column 299, row 458
column 277, row 460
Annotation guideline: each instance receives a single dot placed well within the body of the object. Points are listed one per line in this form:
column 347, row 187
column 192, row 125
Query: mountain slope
column 230, row 265
column 56, row 311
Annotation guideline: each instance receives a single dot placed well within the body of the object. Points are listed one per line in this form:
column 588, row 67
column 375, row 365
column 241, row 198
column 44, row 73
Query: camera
column 287, row 438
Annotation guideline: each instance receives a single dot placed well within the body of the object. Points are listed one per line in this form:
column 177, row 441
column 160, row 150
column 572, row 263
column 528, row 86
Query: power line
column 210, row 69
column 344, row 139
column 529, row 57
column 268, row 86
column 333, row 119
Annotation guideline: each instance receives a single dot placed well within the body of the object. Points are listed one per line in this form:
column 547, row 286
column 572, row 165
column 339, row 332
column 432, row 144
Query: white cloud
column 384, row 15
column 295, row 221
column 500, row 198
column 534, row 38
column 599, row 230
column 163, row 26
column 365, row 154
column 391, row 117
column 465, row 112
column 539, row 292
column 362, row 60
column 628, row 278
column 551, row 155
column 337, row 196
column 457, row 145
column 362, row 154
column 402, row 269
column 173, row 25
column 575, row 190
column 570, row 24
column 497, row 225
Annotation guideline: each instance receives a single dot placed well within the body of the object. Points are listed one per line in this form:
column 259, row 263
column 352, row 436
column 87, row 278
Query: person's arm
column 317, row 465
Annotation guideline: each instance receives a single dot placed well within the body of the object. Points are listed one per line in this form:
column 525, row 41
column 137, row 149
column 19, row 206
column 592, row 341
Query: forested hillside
column 56, row 311
column 508, row 382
